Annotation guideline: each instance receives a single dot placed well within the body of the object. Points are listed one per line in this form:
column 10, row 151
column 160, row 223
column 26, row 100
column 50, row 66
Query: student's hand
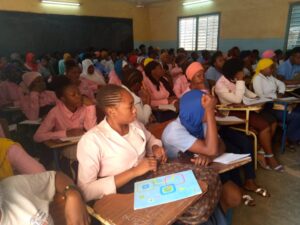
column 75, row 132
column 172, row 99
column 159, row 153
column 75, row 209
column 208, row 102
column 201, row 160
column 240, row 75
column 146, row 165
column 87, row 101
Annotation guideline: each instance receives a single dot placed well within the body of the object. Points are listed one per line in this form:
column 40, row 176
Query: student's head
column 295, row 56
column 30, row 58
column 255, row 53
column 117, row 104
column 142, row 48
column 34, row 81
column 265, row 67
column 205, row 54
column 44, row 61
column 279, row 54
column 67, row 56
column 67, row 92
column 88, row 67
column 3, row 62
column 195, row 73
column 73, row 70
column 234, row 52
column 194, row 56
column 13, row 74
column 191, row 112
column 165, row 58
column 218, row 60
column 154, row 70
column 246, row 56
column 133, row 79
column 269, row 54
column 232, row 68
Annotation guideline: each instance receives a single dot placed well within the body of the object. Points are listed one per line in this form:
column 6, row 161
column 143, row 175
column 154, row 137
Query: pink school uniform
column 10, row 93
column 86, row 89
column 181, row 84
column 113, row 78
column 60, row 119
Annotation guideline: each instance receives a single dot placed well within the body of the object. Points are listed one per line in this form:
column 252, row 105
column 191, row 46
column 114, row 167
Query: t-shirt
column 288, row 70
column 26, row 199
column 176, row 138
column 212, row 74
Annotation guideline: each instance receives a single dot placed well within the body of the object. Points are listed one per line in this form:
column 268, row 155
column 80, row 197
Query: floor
column 283, row 207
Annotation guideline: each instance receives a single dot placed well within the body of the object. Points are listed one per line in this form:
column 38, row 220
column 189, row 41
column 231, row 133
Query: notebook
column 71, row 139
column 254, row 101
column 165, row 189
column 229, row 158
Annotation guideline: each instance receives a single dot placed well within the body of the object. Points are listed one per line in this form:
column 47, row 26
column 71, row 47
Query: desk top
column 53, row 144
column 240, row 107
column 117, row 209
column 222, row 168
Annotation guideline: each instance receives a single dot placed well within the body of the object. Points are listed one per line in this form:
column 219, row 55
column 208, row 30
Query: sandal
column 248, row 200
column 278, row 168
column 263, row 163
column 260, row 191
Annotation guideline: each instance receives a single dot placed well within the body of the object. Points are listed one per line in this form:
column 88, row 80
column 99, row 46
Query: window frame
column 197, row 30
column 288, row 25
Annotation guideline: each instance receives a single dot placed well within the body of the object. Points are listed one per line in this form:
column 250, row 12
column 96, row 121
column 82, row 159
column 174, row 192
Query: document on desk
column 167, row 107
column 229, row 119
column 71, row 139
column 287, row 99
column 254, row 101
column 165, row 189
column 229, row 158
column 32, row 122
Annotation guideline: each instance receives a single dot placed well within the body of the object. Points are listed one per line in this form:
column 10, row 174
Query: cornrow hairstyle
column 59, row 85
column 108, row 96
column 131, row 77
column 148, row 71
column 71, row 63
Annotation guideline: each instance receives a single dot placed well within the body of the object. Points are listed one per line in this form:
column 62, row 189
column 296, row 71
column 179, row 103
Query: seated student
column 25, row 199
column 106, row 61
column 10, row 91
column 265, row 85
column 160, row 90
column 290, row 69
column 231, row 89
column 36, row 98
column 214, row 72
column 30, row 62
column 61, row 63
column 91, row 74
column 44, row 68
column 186, row 134
column 195, row 74
column 115, row 151
column 71, row 117
column 115, row 75
column 14, row 159
column 73, row 73
column 133, row 80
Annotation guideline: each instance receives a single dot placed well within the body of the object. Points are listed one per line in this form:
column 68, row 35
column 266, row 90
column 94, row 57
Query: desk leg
column 56, row 159
column 284, row 129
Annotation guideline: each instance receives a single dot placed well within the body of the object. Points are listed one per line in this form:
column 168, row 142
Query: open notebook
column 165, row 189
column 229, row 158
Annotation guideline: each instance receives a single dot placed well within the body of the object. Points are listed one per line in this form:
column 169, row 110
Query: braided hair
column 109, row 95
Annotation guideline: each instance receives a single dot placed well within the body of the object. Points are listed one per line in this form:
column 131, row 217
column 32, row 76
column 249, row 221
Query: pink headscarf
column 193, row 69
column 268, row 54
column 29, row 77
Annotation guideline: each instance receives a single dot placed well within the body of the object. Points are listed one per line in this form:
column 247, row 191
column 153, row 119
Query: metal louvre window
column 199, row 32
column 293, row 39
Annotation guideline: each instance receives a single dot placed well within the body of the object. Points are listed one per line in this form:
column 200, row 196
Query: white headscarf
column 96, row 77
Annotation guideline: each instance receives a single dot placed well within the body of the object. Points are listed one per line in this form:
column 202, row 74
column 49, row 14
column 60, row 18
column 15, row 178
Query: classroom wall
column 103, row 8
column 246, row 23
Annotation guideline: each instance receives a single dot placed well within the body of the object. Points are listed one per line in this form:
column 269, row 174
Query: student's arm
column 75, row 209
column 30, row 105
column 280, row 85
column 45, row 131
column 22, row 162
column 258, row 86
column 211, row 83
column 228, row 96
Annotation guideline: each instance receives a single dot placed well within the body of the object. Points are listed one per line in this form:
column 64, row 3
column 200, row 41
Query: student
column 73, row 73
column 133, row 83
column 160, row 90
column 36, row 100
column 91, row 74
column 290, row 69
column 181, row 83
column 231, row 89
column 71, row 117
column 195, row 74
column 61, row 63
column 44, row 69
column 14, row 159
column 186, row 134
column 115, row 151
column 116, row 73
column 265, row 85
column 25, row 199
column 214, row 72
column 106, row 61
column 30, row 62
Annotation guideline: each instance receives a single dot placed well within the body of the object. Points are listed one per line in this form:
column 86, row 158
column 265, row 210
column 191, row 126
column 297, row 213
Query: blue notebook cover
column 165, row 189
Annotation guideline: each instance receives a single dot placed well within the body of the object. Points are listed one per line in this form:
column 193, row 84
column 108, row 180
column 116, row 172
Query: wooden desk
column 117, row 209
column 222, row 168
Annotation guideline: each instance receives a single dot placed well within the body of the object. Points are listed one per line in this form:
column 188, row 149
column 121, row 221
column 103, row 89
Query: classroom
column 150, row 112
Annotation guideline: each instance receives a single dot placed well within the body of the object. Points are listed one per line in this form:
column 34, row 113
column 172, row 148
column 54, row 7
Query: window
column 198, row 32
column 293, row 31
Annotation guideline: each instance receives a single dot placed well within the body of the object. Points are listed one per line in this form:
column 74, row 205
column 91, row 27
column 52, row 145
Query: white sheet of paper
column 229, row 119
column 167, row 107
column 32, row 122
column 288, row 99
column 71, row 139
column 254, row 101
column 228, row 158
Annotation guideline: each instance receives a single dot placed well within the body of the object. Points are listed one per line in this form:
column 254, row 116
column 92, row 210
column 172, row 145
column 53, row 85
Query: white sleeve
column 280, row 85
column 237, row 97
column 258, row 86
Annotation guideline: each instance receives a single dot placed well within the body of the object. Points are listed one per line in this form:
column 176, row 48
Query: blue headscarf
column 191, row 113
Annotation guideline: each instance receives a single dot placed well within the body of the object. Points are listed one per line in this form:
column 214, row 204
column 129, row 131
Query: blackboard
column 47, row 33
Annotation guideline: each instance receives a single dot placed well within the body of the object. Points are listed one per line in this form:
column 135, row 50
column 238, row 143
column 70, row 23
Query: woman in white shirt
column 265, row 85
column 118, row 149
column 231, row 88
